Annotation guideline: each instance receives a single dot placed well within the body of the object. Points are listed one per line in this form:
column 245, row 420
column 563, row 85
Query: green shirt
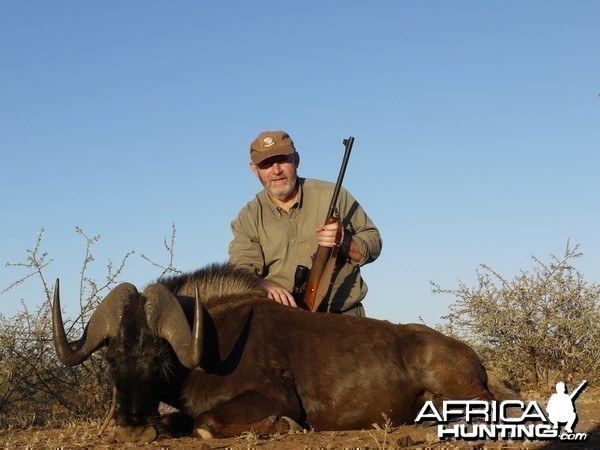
column 272, row 242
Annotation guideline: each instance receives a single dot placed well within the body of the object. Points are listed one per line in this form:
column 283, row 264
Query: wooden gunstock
column 321, row 258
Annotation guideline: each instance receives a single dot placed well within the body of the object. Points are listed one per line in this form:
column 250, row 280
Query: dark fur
column 263, row 361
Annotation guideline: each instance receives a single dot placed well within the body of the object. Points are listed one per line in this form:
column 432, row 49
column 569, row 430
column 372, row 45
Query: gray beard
column 282, row 192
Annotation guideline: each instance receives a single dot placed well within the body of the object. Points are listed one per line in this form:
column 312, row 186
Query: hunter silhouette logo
column 561, row 408
column 510, row 419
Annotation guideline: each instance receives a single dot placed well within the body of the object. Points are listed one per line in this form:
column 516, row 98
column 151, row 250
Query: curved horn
column 103, row 324
column 167, row 319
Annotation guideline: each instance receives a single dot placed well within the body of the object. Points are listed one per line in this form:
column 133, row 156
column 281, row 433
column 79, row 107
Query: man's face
column 278, row 175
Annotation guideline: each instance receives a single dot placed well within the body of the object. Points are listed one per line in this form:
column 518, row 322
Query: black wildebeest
column 213, row 345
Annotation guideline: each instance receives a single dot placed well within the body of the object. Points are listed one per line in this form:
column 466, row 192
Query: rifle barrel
column 336, row 192
column 323, row 254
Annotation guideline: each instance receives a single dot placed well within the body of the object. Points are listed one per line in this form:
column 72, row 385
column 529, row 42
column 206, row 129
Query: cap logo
column 268, row 142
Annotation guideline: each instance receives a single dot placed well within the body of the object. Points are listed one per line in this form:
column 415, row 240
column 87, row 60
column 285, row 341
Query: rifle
column 323, row 254
column 576, row 391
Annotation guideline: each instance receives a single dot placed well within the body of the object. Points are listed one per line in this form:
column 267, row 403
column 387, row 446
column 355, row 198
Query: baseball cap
column 271, row 143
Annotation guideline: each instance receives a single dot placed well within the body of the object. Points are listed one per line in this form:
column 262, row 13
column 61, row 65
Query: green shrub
column 536, row 329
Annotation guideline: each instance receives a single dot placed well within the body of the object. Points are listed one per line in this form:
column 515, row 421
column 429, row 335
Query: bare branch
column 170, row 247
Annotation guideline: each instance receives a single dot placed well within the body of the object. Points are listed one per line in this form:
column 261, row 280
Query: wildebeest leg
column 250, row 411
column 177, row 423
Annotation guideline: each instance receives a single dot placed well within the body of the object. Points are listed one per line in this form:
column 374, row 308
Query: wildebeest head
column 142, row 332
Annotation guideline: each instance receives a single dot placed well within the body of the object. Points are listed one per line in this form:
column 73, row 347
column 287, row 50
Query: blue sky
column 477, row 127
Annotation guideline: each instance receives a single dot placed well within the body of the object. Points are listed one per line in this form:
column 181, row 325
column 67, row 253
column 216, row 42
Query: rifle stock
column 324, row 254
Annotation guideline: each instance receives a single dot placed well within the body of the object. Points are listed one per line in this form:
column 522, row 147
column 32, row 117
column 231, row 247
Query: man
column 282, row 227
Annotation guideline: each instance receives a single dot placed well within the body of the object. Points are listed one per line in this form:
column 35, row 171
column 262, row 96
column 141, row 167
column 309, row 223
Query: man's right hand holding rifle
column 283, row 229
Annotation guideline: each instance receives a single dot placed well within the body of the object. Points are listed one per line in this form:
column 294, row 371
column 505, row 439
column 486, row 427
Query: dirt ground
column 83, row 435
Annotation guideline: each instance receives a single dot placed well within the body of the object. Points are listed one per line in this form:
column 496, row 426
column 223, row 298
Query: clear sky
column 477, row 128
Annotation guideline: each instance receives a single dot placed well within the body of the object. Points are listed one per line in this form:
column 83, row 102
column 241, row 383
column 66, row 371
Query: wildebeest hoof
column 203, row 432
column 143, row 434
column 287, row 425
column 177, row 423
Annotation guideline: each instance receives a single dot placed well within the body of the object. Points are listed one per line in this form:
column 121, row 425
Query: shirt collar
column 276, row 209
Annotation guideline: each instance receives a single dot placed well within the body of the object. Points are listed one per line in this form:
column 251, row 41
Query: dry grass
column 384, row 436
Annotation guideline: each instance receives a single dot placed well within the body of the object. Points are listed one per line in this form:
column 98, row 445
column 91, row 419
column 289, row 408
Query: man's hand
column 278, row 293
column 331, row 234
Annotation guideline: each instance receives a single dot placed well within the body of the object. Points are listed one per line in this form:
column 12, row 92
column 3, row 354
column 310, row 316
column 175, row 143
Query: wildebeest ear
column 103, row 325
column 166, row 319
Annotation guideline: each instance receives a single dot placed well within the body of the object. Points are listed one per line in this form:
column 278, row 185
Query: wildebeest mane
column 215, row 282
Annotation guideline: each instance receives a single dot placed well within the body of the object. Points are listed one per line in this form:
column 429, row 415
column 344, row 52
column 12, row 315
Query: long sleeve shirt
column 272, row 242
